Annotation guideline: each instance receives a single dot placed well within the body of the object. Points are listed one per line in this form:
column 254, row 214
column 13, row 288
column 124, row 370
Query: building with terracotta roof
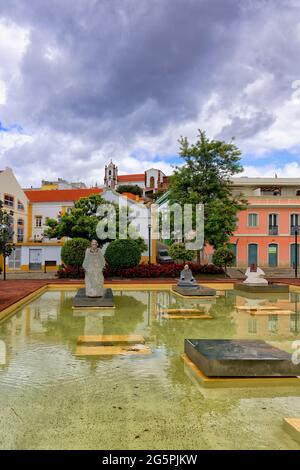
column 149, row 181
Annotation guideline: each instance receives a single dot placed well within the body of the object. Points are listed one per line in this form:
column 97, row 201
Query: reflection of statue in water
column 186, row 278
column 93, row 264
column 255, row 275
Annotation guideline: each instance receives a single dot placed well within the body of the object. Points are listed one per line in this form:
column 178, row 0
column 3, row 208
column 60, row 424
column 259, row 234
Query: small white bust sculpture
column 255, row 276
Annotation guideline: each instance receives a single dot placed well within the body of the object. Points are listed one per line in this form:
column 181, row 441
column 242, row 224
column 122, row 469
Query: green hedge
column 123, row 254
column 73, row 251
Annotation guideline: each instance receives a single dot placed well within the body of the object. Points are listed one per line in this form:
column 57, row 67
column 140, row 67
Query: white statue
column 93, row 264
column 255, row 275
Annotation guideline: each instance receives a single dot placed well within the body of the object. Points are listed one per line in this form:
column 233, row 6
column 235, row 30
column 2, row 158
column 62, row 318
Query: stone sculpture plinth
column 240, row 358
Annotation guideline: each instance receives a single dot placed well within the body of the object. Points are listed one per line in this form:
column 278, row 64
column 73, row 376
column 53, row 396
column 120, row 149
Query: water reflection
column 38, row 363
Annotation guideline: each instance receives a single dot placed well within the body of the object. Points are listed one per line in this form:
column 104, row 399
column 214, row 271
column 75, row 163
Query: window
column 9, row 200
column 20, row 206
column 20, row 234
column 152, row 182
column 38, row 221
column 273, row 323
column 21, row 222
column 269, row 192
column 10, row 228
column 252, row 220
column 298, row 192
column 252, row 325
column 294, row 323
column 273, row 224
column 294, row 221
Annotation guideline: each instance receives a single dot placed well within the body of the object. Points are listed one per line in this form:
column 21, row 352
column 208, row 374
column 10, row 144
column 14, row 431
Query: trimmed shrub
column 73, row 251
column 123, row 254
column 180, row 254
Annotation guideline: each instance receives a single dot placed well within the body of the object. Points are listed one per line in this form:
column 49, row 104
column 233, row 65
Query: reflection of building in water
column 248, row 326
column 167, row 299
column 31, row 322
column 268, row 323
column 2, row 352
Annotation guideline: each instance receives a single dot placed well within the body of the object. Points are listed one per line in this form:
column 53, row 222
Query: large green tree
column 205, row 177
column 81, row 220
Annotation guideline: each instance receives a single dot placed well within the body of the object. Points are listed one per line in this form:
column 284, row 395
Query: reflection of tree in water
column 128, row 313
column 171, row 333
column 67, row 327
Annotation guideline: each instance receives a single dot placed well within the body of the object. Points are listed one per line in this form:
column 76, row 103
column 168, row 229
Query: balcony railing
column 273, row 229
column 295, row 228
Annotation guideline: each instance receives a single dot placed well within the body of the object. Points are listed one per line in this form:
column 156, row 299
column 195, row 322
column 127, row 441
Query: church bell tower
column 111, row 175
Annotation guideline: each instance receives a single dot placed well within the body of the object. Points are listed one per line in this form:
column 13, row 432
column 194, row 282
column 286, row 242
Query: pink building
column 266, row 230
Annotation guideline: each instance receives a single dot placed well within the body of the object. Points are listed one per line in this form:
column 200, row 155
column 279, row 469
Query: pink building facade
column 266, row 231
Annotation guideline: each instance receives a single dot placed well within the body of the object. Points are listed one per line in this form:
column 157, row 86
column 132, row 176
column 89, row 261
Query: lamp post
column 296, row 250
column 4, row 227
column 149, row 243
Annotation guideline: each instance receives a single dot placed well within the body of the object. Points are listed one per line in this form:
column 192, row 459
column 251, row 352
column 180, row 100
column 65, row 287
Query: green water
column 51, row 399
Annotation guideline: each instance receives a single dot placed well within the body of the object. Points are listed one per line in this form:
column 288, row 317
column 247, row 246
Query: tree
column 223, row 257
column 6, row 246
column 130, row 188
column 180, row 254
column 81, row 220
column 205, row 178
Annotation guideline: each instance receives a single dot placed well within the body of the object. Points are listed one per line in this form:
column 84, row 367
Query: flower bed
column 143, row 271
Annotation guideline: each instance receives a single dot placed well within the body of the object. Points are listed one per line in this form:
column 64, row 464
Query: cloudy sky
column 84, row 81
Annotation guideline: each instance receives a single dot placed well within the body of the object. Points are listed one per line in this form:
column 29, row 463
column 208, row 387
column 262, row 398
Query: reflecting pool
column 52, row 399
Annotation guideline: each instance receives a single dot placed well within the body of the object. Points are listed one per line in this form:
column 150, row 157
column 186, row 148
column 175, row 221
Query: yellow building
column 15, row 203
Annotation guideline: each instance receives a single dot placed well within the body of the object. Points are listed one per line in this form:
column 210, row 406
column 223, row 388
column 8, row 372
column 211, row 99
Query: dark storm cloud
column 115, row 57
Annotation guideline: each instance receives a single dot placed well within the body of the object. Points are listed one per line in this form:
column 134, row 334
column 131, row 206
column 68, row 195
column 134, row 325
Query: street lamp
column 149, row 243
column 295, row 229
column 4, row 228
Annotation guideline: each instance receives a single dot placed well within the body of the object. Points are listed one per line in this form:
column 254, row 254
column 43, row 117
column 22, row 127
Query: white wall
column 157, row 175
column 139, row 213
column 46, row 209
column 49, row 253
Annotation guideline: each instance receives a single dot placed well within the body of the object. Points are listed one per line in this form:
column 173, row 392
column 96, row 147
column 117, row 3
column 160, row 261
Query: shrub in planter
column 123, row 254
column 180, row 254
column 73, row 251
column 160, row 270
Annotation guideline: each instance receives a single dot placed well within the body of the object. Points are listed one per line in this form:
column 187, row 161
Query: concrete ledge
column 197, row 292
column 265, row 288
column 111, row 350
column 292, row 426
column 167, row 316
column 111, row 339
column 238, row 382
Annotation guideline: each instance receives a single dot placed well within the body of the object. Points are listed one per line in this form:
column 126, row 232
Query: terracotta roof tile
column 134, row 177
column 60, row 195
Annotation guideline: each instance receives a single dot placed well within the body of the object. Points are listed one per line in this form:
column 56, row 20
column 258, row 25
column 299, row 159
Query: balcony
column 294, row 229
column 273, row 229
